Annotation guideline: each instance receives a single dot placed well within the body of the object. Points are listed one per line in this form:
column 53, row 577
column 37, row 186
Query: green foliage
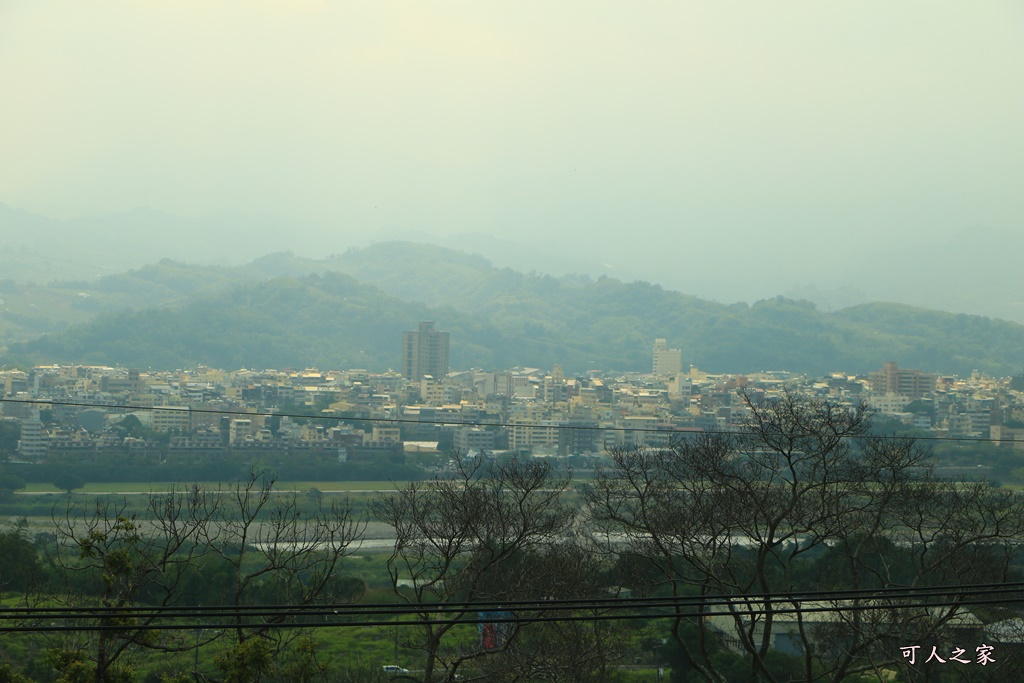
column 131, row 425
column 499, row 318
column 302, row 665
column 19, row 565
column 177, row 466
column 178, row 677
column 68, row 481
column 731, row 667
column 74, row 668
column 10, row 432
column 9, row 483
column 7, row 675
column 246, row 662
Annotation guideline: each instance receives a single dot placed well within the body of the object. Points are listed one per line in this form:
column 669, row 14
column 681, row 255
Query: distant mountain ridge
column 973, row 271
column 349, row 311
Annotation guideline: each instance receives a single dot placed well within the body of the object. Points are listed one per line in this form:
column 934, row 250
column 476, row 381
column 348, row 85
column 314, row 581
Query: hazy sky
column 662, row 127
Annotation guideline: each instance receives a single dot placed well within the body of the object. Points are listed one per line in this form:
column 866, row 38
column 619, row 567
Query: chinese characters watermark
column 983, row 655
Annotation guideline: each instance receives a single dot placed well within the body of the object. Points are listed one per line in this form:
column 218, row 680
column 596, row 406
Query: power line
column 889, row 593
column 679, row 431
column 740, row 607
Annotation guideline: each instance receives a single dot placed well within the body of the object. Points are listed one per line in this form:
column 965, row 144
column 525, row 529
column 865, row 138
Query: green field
column 157, row 487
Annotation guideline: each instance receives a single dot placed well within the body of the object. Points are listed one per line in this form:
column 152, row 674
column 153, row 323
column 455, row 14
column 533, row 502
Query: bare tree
column 278, row 548
column 473, row 537
column 267, row 547
column 118, row 555
column 740, row 514
column 565, row 644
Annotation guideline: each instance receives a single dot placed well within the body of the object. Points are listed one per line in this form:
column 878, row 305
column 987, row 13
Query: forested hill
column 501, row 318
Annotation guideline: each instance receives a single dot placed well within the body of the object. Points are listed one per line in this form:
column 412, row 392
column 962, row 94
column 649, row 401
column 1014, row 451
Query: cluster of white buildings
column 68, row 407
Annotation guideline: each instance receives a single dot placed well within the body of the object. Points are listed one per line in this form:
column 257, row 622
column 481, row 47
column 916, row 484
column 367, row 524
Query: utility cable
column 894, row 592
column 510, row 618
column 355, row 614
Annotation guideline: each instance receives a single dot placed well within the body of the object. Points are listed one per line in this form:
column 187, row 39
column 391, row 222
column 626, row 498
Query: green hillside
column 497, row 318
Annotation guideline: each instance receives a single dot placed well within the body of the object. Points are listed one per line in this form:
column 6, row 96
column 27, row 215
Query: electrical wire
column 511, row 611
column 465, row 616
column 891, row 593
column 389, row 614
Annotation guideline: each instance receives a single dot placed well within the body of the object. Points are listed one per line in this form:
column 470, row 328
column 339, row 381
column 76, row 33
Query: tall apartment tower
column 425, row 352
column 667, row 361
column 34, row 440
column 893, row 379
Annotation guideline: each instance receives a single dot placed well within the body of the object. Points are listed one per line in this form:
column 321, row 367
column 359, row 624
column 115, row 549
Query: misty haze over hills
column 349, row 310
column 974, row 271
column 805, row 187
column 807, row 150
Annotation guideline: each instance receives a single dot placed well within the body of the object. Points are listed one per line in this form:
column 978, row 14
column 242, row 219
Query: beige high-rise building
column 425, row 352
column 892, row 379
column 667, row 361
